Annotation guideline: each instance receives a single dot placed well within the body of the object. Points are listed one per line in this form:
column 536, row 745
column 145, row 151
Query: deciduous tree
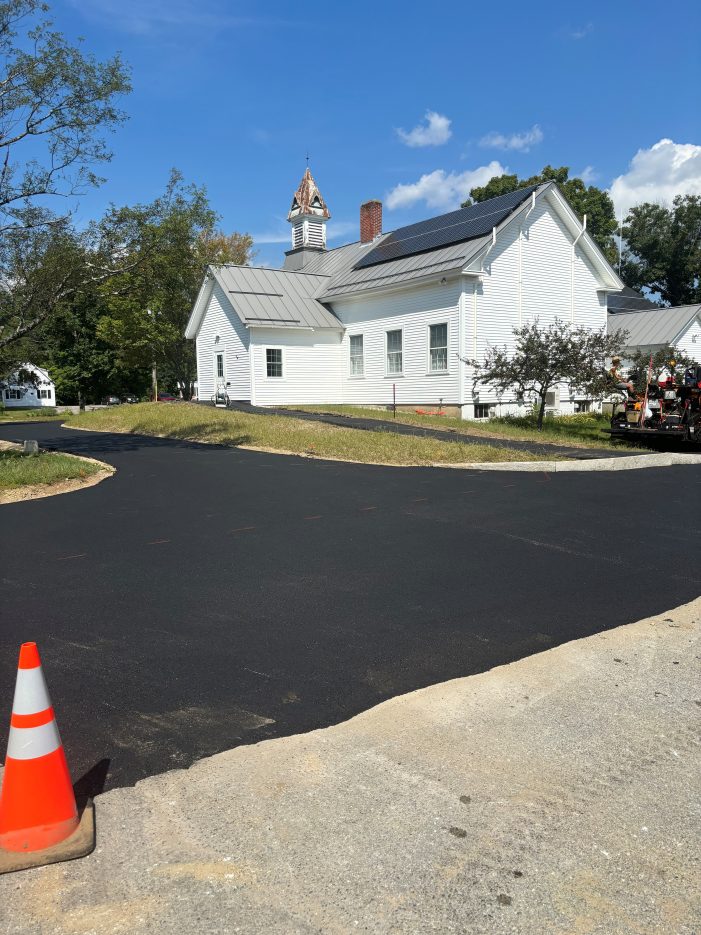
column 663, row 250
column 545, row 356
column 149, row 305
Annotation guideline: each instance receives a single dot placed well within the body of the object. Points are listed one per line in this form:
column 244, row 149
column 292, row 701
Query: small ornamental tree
column 545, row 356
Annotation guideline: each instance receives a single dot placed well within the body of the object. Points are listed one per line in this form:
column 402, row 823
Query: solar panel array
column 464, row 224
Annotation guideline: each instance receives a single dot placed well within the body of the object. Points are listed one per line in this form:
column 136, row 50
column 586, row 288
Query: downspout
column 574, row 246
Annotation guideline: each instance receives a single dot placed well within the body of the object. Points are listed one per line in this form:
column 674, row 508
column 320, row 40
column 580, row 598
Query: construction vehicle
column 669, row 408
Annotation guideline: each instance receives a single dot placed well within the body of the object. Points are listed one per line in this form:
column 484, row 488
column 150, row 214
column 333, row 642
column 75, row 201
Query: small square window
column 273, row 362
column 482, row 410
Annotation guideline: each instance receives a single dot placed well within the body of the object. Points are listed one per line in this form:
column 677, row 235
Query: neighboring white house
column 399, row 312
column 26, row 395
column 651, row 329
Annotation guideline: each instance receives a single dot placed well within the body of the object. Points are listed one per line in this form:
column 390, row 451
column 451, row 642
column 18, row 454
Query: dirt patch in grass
column 282, row 435
column 29, row 477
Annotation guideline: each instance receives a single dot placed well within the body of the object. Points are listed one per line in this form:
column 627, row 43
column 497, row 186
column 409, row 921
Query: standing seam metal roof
column 654, row 326
column 275, row 298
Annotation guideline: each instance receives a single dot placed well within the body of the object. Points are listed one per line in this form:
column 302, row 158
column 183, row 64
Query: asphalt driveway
column 205, row 597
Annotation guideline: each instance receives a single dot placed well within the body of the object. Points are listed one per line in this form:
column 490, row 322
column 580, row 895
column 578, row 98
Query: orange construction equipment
column 38, row 809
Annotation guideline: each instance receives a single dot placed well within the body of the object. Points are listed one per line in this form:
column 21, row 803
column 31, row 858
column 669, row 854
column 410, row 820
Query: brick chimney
column 370, row 221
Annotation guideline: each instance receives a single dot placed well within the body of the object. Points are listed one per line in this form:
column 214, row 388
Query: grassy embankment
column 44, row 413
column 19, row 470
column 583, row 430
column 191, row 422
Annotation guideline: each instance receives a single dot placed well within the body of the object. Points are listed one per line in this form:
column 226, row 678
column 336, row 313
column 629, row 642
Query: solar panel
column 454, row 227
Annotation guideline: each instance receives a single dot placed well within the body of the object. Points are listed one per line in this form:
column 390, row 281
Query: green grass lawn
column 278, row 433
column 18, row 470
column 583, row 430
column 24, row 415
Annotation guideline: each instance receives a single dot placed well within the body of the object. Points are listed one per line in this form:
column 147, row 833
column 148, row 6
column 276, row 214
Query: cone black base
column 80, row 844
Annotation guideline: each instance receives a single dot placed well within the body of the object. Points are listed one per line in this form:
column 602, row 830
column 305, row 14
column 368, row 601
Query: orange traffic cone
column 39, row 821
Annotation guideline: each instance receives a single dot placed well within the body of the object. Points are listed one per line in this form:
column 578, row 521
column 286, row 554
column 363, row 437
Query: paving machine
column 668, row 408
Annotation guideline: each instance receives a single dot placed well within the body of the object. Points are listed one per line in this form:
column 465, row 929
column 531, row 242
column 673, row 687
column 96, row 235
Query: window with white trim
column 357, row 362
column 273, row 361
column 220, row 366
column 438, row 348
column 394, row 351
column 482, row 410
column 44, row 394
column 14, row 394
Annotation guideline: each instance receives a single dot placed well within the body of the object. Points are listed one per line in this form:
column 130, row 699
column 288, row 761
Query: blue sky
column 410, row 103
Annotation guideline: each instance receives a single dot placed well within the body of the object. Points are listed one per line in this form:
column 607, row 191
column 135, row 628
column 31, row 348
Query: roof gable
column 266, row 298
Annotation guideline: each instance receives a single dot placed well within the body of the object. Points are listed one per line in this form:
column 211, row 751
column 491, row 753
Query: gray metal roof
column 657, row 326
column 344, row 279
column 275, row 298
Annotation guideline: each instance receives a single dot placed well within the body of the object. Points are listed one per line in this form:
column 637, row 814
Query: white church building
column 398, row 313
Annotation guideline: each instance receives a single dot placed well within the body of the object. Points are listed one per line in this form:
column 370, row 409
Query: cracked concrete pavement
column 557, row 794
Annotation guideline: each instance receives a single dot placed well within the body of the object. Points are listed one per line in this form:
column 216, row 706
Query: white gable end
column 220, row 331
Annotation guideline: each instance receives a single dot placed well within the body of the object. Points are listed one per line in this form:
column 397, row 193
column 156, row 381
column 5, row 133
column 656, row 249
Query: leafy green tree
column 543, row 357
column 149, row 305
column 663, row 250
column 56, row 105
column 84, row 368
column 584, row 199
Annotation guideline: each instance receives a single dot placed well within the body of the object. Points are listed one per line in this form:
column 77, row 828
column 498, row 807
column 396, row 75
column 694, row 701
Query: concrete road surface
column 557, row 795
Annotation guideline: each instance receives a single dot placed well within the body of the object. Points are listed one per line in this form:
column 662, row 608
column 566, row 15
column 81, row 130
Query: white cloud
column 442, row 189
column 434, row 132
column 588, row 175
column 658, row 174
column 579, row 32
column 272, row 237
column 336, row 229
column 521, row 142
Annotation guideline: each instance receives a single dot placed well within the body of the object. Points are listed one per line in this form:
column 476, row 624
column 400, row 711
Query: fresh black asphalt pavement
column 205, row 597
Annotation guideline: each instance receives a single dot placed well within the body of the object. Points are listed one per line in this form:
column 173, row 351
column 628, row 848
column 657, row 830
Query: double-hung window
column 357, row 363
column 394, row 351
column 273, row 361
column 438, row 348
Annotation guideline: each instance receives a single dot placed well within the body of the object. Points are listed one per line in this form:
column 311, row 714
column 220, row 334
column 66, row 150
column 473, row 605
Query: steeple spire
column 308, row 200
column 308, row 215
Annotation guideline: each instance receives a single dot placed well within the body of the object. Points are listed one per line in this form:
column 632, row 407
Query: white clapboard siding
column 221, row 319
column 310, row 367
column 529, row 274
column 547, row 267
column 589, row 305
column 411, row 310
column 690, row 341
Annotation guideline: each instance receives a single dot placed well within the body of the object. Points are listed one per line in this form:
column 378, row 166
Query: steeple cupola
column 308, row 215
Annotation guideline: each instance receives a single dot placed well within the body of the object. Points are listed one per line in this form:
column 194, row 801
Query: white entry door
column 219, row 378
